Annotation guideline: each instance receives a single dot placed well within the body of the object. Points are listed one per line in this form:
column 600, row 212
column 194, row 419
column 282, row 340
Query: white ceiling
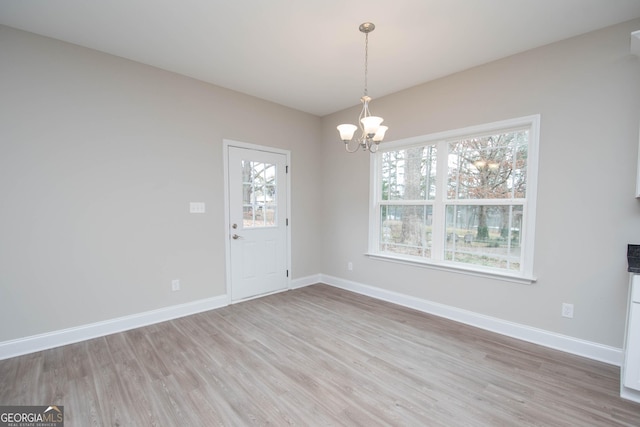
column 309, row 54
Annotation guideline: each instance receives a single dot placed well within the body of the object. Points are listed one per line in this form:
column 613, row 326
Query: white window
column 462, row 199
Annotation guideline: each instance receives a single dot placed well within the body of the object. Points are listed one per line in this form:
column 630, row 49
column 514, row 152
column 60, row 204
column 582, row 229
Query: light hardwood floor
column 316, row 356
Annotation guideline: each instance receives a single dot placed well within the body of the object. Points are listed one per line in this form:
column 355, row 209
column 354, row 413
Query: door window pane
column 259, row 188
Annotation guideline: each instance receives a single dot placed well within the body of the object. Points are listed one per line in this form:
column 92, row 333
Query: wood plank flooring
column 316, row 356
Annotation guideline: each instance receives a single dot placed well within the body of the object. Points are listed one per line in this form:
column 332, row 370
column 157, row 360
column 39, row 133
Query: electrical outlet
column 567, row 310
column 350, row 266
column 175, row 285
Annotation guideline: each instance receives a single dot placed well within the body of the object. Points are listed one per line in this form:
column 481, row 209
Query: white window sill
column 445, row 266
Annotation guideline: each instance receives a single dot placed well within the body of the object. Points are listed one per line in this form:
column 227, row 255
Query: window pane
column 409, row 174
column 484, row 235
column 519, row 172
column 270, row 214
column 488, row 167
column 248, row 218
column 406, row 230
column 259, row 194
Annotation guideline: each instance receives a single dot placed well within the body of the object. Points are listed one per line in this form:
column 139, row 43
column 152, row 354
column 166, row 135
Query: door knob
column 235, row 237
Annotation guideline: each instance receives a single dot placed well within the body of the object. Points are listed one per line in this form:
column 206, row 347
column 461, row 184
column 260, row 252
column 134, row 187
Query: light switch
column 196, row 207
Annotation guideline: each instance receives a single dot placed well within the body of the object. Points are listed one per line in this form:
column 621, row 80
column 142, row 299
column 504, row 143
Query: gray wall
column 587, row 90
column 99, row 159
column 100, row 156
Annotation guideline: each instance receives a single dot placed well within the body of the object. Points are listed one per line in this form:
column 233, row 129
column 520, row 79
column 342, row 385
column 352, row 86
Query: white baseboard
column 58, row 338
column 591, row 350
column 305, row 281
column 629, row 394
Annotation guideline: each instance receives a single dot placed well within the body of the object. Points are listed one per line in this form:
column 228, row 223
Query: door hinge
column 286, row 169
column 287, row 273
column 287, row 222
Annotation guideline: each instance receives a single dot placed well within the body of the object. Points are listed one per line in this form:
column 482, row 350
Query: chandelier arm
column 365, row 108
column 346, row 146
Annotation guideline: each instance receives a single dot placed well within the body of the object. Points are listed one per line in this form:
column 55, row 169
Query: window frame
column 440, row 202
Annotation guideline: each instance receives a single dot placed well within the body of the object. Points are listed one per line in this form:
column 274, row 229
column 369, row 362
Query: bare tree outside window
column 408, row 184
column 492, row 169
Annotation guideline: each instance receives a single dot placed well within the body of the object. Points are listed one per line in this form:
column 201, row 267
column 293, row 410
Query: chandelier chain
column 366, row 62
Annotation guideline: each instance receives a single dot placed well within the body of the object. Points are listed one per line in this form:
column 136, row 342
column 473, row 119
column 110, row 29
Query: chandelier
column 371, row 133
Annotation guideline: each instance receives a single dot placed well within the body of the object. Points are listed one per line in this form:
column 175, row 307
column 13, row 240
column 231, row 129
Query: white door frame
column 226, row 143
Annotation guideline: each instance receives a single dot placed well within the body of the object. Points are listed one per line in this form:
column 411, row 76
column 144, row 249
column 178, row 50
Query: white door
column 257, row 203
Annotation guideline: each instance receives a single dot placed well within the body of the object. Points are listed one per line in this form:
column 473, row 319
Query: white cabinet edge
column 635, row 50
column 630, row 358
